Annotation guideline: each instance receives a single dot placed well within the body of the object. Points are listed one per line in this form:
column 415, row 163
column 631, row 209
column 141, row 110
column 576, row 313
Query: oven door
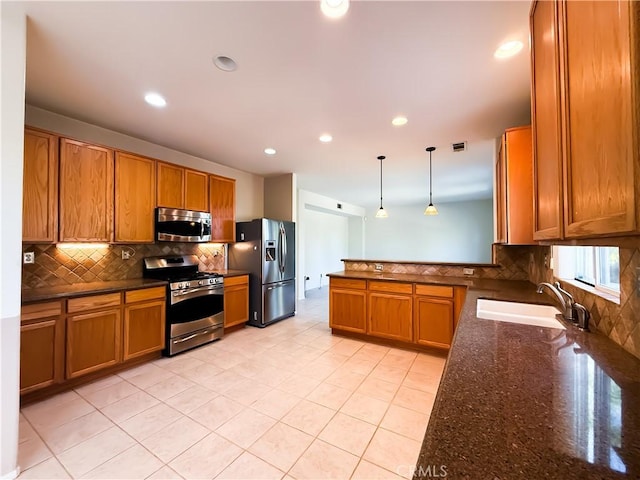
column 194, row 316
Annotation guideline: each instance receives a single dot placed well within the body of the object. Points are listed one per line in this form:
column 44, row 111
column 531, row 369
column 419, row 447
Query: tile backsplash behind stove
column 64, row 266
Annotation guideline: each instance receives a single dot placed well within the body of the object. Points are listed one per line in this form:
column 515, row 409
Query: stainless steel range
column 195, row 301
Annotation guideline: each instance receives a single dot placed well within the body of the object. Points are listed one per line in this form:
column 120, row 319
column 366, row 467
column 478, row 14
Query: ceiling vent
column 459, row 147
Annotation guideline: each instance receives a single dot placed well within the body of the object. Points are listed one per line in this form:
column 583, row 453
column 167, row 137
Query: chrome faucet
column 567, row 305
column 570, row 309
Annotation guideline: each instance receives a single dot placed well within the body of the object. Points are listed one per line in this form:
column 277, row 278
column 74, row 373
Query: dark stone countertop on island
column 229, row 273
column 31, row 295
column 524, row 402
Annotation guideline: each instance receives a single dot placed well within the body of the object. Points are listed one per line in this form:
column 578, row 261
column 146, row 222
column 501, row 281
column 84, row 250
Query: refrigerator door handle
column 283, row 247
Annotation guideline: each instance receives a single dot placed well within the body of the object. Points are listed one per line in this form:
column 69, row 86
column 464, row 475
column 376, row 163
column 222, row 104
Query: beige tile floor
column 288, row 401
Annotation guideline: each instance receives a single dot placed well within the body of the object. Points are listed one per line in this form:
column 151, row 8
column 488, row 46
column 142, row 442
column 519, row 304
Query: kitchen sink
column 523, row 313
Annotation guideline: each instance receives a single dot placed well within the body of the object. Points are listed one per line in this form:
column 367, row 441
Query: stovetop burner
column 179, row 269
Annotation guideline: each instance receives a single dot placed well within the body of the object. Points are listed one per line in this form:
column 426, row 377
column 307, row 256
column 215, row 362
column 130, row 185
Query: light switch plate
column 28, row 257
column 467, row 271
column 378, row 267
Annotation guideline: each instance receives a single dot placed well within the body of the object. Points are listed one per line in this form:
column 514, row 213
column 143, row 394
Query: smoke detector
column 459, row 147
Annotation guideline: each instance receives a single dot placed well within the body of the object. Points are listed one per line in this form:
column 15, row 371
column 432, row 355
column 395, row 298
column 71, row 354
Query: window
column 594, row 268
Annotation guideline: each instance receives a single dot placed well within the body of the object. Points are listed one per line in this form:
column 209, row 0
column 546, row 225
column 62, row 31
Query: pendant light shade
column 381, row 213
column 430, row 210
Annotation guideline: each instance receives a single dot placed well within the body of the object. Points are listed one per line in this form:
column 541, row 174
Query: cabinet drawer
column 352, row 283
column 239, row 280
column 94, row 301
column 145, row 294
column 434, row 291
column 391, row 287
column 40, row 310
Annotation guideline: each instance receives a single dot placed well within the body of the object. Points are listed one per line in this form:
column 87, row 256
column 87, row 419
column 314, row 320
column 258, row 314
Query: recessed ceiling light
column 225, row 64
column 334, row 8
column 270, row 151
column 399, row 121
column 325, row 138
column 155, row 99
column 508, row 49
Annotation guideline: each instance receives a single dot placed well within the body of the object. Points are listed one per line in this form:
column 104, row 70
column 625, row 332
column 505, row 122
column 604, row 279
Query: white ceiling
column 299, row 75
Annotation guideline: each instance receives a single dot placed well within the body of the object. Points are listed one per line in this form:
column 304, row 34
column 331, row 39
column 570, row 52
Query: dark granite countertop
column 471, row 282
column 523, row 402
column 30, row 295
column 229, row 273
column 417, row 262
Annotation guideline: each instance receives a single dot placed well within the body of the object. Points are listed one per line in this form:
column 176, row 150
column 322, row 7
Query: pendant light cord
column 381, row 183
column 430, row 181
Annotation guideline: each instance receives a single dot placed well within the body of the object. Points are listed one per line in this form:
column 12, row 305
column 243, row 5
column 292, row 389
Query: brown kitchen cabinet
column 348, row 304
column 41, row 345
column 40, row 187
column 390, row 310
column 196, row 191
column 222, row 205
column 434, row 315
column 144, row 322
column 595, row 99
column 514, row 188
column 86, row 192
column 182, row 188
column 236, row 300
column 94, row 333
column 135, row 198
column 546, row 122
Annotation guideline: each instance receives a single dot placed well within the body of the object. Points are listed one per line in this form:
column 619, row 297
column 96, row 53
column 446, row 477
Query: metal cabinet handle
column 194, row 335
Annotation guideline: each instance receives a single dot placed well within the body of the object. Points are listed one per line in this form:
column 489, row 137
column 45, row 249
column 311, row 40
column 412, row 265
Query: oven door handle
column 181, row 295
column 194, row 335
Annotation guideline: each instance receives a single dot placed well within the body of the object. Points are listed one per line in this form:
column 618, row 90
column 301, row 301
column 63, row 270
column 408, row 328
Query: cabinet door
column 135, row 198
column 601, row 161
column 86, row 192
column 433, row 321
column 546, row 127
column 196, row 191
column 170, row 186
column 222, row 193
column 41, row 346
column 144, row 328
column 93, row 341
column 390, row 316
column 347, row 310
column 236, row 300
column 40, row 188
column 519, row 185
column 501, row 195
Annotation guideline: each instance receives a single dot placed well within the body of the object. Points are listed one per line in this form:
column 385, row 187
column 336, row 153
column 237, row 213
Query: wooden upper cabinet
column 170, row 185
column 546, row 125
column 196, row 191
column 86, row 192
column 514, row 188
column 40, row 187
column 601, row 117
column 135, row 198
column 222, row 205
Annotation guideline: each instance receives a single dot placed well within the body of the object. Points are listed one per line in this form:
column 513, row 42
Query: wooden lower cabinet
column 144, row 322
column 433, row 321
column 348, row 305
column 93, row 341
column 41, row 346
column 236, row 300
column 409, row 313
column 390, row 316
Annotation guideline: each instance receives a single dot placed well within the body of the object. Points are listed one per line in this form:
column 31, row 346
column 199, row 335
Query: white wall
column 249, row 187
column 309, row 204
column 326, row 243
column 13, row 48
column 462, row 232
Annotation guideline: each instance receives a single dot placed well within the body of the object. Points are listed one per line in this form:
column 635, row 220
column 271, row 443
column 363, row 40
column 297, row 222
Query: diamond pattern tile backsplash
column 621, row 323
column 55, row 266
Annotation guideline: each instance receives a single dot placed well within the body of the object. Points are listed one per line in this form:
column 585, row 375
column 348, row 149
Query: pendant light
column 430, row 210
column 381, row 213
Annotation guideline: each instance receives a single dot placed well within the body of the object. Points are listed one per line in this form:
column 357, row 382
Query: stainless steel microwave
column 174, row 225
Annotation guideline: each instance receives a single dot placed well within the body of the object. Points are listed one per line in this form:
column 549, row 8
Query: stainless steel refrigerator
column 266, row 249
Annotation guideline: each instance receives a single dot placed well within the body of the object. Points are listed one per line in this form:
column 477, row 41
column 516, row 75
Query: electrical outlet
column 28, row 257
column 126, row 254
column 378, row 267
column 467, row 271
